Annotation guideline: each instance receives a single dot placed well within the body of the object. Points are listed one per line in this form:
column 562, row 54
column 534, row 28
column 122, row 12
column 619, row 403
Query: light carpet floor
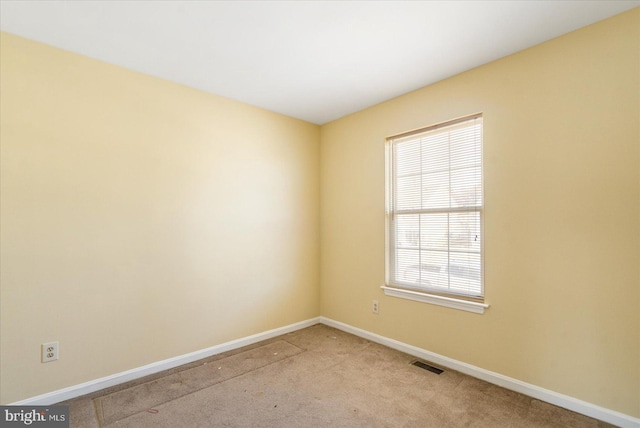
column 314, row 377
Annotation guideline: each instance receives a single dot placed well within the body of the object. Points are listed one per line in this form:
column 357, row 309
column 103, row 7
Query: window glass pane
column 407, row 157
column 465, row 146
column 433, row 269
column 408, row 193
column 466, row 187
column 433, row 231
column 465, row 273
column 435, row 153
column 464, row 231
column 435, row 190
column 407, row 262
column 408, row 231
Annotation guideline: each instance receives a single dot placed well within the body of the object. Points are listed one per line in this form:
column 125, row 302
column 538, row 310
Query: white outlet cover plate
column 49, row 351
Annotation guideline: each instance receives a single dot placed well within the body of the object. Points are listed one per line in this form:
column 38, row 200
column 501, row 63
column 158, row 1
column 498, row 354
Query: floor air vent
column 427, row 367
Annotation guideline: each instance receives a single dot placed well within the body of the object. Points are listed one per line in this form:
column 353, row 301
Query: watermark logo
column 34, row 416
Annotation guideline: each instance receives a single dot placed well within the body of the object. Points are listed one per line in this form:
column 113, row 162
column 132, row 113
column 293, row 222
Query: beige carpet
column 315, row 377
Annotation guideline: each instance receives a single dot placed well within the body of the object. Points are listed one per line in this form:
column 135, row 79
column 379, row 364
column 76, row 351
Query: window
column 434, row 214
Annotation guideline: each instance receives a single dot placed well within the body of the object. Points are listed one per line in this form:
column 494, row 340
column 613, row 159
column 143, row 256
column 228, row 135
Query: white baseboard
column 557, row 399
column 561, row 400
column 118, row 378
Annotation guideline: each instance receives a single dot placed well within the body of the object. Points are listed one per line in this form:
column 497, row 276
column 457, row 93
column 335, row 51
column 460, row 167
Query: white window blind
column 435, row 209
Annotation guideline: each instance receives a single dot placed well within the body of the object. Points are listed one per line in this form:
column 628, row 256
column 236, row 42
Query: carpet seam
column 198, row 390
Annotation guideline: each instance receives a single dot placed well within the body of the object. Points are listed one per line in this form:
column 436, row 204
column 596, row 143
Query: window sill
column 433, row 299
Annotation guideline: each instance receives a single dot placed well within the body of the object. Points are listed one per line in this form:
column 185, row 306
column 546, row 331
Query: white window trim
column 424, row 296
column 449, row 302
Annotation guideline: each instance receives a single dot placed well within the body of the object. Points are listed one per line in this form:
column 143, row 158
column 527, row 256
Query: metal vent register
column 426, row 366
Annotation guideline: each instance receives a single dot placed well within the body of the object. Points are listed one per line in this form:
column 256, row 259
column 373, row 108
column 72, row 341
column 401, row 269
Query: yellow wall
column 562, row 229
column 142, row 220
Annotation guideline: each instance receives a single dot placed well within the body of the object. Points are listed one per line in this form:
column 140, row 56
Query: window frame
column 469, row 302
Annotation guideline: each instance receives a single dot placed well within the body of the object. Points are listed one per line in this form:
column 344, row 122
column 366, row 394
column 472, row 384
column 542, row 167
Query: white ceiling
column 313, row 60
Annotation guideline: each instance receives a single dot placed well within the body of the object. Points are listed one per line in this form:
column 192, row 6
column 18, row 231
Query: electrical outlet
column 375, row 308
column 49, row 351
